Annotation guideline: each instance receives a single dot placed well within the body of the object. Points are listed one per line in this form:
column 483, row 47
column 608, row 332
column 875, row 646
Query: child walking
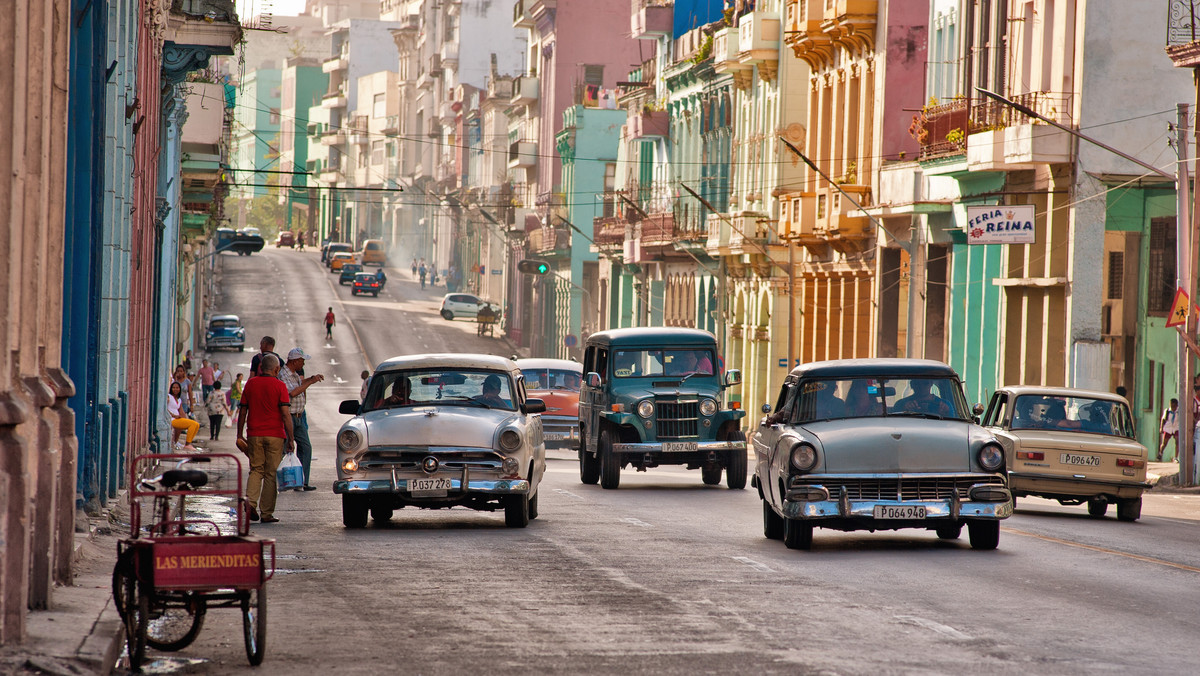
column 217, row 410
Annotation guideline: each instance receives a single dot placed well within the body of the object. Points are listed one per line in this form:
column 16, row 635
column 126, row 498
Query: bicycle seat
column 192, row 478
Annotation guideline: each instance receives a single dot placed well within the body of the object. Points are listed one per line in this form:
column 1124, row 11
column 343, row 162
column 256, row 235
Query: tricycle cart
column 170, row 572
column 485, row 321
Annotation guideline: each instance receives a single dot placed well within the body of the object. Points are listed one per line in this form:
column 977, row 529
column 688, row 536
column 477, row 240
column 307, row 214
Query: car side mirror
column 766, row 408
column 733, row 377
column 977, row 409
column 592, row 379
column 534, row 406
column 348, row 407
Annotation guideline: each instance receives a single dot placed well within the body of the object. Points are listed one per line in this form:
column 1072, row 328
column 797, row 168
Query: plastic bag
column 290, row 473
column 228, row 421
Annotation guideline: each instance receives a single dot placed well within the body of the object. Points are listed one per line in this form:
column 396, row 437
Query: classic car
column 555, row 382
column 286, row 238
column 653, row 396
column 438, row 431
column 348, row 270
column 238, row 241
column 333, row 248
column 878, row 444
column 1073, row 446
column 374, row 252
column 462, row 305
column 365, row 282
column 224, row 331
column 337, row 260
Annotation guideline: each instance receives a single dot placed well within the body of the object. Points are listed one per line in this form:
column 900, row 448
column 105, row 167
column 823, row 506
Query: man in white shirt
column 290, row 375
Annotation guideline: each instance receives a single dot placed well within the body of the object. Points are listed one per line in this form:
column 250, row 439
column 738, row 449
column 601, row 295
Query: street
column 665, row 575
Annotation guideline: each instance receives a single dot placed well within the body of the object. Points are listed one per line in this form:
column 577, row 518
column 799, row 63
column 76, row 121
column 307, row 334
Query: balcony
column 1010, row 140
column 391, row 125
column 941, row 130
column 846, row 233
column 521, row 17
column 652, row 19
column 749, row 231
column 718, row 234
column 804, row 33
column 658, row 230
column 522, row 154
column 758, row 42
column 435, row 65
column 649, row 125
column 449, row 54
column 334, row 99
column 500, row 88
column 725, row 52
column 341, row 61
column 549, row 242
column 524, row 90
column 609, row 233
column 851, row 22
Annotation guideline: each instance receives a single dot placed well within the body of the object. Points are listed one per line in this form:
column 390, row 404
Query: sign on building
column 1000, row 224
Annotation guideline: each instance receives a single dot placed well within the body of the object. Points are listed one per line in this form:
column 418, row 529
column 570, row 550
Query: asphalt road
column 666, row 575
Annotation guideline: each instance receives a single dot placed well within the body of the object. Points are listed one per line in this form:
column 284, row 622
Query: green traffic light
column 543, row 269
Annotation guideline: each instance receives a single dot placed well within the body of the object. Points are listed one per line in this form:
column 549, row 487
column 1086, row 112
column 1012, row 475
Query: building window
column 1116, row 275
column 273, row 118
column 376, row 152
column 593, row 75
column 379, row 106
column 1160, row 282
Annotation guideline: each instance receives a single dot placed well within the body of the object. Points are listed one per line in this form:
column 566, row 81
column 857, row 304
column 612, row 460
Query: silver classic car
column 878, row 444
column 441, row 430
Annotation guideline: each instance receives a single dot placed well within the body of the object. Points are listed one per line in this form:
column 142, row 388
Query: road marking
column 760, row 567
column 949, row 632
column 637, row 522
column 568, row 493
column 1103, row 550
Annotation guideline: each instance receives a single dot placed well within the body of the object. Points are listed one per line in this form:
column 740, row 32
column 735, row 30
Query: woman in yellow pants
column 179, row 420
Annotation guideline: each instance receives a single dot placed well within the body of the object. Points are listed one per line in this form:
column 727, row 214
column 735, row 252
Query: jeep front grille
column 677, row 419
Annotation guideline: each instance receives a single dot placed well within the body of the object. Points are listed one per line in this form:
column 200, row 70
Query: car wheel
column 773, row 524
column 1097, row 508
column 1129, row 510
column 735, row 471
column 516, row 511
column 710, row 474
column 446, row 314
column 533, row 507
column 589, row 467
column 610, row 464
column 950, row 531
column 241, row 348
column 375, row 295
column 353, row 292
column 984, row 534
column 381, row 513
column 354, row 511
column 797, row 534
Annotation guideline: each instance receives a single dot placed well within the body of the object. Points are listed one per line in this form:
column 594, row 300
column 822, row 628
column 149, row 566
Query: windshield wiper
column 917, row 414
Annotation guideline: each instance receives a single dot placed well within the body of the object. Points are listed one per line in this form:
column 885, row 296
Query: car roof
column 364, row 274
column 873, row 367
column 225, row 318
column 1019, row 390
column 460, row 293
column 344, row 253
column 563, row 364
column 653, row 336
column 447, row 360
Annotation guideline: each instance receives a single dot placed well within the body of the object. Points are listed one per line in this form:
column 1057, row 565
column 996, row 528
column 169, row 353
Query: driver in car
column 922, row 400
column 401, row 394
column 491, row 393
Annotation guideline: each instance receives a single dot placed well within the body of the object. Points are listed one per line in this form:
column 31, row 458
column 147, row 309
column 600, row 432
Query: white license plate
column 554, row 436
column 1076, row 460
column 427, row 486
column 680, row 446
column 899, row 511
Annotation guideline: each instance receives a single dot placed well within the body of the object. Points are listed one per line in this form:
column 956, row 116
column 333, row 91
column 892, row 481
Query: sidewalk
column 1165, row 478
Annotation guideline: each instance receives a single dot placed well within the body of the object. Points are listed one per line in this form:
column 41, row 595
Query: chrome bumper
column 1115, row 483
column 701, row 446
column 865, row 509
column 400, row 485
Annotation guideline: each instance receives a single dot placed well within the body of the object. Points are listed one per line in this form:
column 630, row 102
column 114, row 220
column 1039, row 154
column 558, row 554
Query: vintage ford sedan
column 438, row 431
column 556, row 383
column 878, row 444
column 225, row 331
column 1074, row 446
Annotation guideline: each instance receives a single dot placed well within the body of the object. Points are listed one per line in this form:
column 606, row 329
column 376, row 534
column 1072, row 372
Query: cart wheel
column 254, row 624
column 177, row 625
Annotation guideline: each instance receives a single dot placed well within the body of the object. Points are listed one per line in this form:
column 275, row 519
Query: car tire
column 984, row 534
column 710, row 474
column 447, row 315
column 533, row 507
column 516, row 510
column 797, row 534
column 1129, row 510
column 589, row 466
column 354, row 511
column 610, row 464
column 353, row 292
column 241, row 348
column 773, row 524
column 950, row 531
column 1097, row 508
column 381, row 513
column 375, row 295
column 735, row 471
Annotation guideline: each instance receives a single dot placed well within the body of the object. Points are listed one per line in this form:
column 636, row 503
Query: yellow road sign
column 1179, row 309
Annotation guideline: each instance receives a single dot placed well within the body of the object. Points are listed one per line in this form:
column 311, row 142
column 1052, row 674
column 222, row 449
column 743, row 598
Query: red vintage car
column 286, row 238
column 556, row 382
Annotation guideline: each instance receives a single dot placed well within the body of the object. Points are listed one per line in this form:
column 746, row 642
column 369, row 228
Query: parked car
column 339, row 259
column 348, row 270
column 652, row 396
column 286, row 238
column 224, row 331
column 438, row 431
column 556, row 382
column 878, row 444
column 373, row 253
column 335, row 248
column 365, row 282
column 455, row 305
column 240, row 242
column 1073, row 446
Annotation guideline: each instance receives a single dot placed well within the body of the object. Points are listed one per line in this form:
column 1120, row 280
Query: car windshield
column 551, row 379
column 837, row 398
column 656, row 362
column 223, row 324
column 1071, row 414
column 440, row 387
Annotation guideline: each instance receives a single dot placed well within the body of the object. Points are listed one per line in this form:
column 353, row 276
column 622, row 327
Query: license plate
column 679, row 446
column 899, row 511
column 1076, row 460
column 436, row 485
column 554, row 436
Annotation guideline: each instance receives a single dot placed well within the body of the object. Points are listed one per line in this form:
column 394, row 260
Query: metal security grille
column 678, row 419
column 908, row 488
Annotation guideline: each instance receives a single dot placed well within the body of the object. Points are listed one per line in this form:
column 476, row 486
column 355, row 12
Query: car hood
column 558, row 402
column 435, row 426
column 893, row 445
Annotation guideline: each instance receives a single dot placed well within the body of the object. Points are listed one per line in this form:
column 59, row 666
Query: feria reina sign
column 1002, row 224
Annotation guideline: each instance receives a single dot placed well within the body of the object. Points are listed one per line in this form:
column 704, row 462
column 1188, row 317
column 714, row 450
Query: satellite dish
column 183, row 330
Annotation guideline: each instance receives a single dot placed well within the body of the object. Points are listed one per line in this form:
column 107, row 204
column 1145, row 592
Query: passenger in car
column 1056, row 418
column 860, row 402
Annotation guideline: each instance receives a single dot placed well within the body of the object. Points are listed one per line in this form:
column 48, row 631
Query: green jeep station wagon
column 654, row 396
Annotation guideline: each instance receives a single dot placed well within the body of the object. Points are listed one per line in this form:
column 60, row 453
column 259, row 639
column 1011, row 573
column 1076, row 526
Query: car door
column 766, row 438
column 597, row 397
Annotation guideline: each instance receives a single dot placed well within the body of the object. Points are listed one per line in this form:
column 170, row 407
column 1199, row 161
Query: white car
column 438, row 431
column 462, row 305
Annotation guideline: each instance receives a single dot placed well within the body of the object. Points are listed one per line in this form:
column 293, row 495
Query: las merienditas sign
column 1002, row 224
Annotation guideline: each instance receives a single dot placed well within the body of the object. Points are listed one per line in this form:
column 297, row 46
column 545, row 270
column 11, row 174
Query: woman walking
column 235, row 393
column 217, row 410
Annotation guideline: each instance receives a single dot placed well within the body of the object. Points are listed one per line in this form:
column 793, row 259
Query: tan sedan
column 1074, row 446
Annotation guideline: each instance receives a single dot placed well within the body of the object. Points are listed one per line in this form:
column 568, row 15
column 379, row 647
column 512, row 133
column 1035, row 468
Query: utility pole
column 1183, row 230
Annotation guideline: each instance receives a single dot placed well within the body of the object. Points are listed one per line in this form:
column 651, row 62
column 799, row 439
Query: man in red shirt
column 264, row 415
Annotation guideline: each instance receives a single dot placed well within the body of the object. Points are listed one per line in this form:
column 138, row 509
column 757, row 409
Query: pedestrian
column 297, row 387
column 265, row 427
column 421, row 274
column 300, row 241
column 180, row 422
column 414, row 267
column 187, row 361
column 217, row 409
column 266, row 346
column 207, row 378
column 366, row 377
column 330, row 321
column 185, row 385
column 235, row 393
column 1168, row 429
column 218, row 374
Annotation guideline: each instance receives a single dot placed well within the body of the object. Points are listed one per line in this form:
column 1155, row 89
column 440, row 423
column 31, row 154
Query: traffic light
column 532, row 266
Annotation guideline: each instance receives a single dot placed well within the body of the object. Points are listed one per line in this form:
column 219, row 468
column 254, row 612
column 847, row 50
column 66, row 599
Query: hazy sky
column 249, row 8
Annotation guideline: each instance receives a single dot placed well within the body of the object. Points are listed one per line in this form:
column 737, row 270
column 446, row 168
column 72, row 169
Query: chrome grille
column 902, row 488
column 677, row 419
column 410, row 458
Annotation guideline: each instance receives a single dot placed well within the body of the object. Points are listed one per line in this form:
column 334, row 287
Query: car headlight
column 348, row 440
column 510, row 440
column 645, row 408
column 510, row 467
column 991, row 457
column 350, row 465
column 804, row 457
column 708, row 407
